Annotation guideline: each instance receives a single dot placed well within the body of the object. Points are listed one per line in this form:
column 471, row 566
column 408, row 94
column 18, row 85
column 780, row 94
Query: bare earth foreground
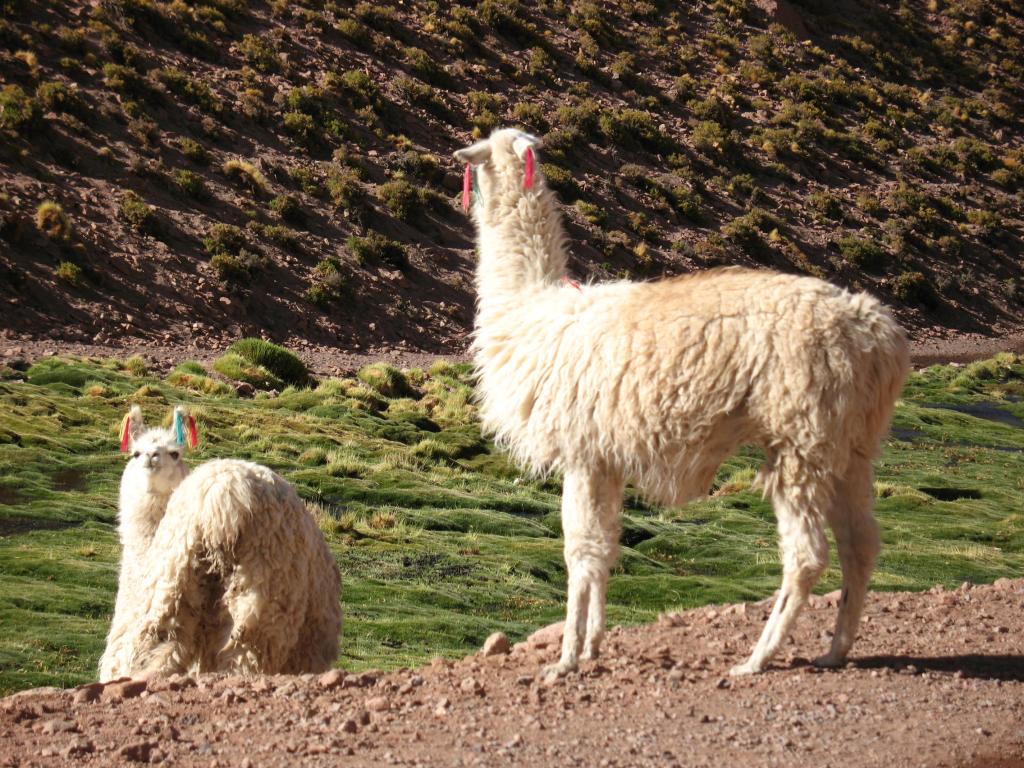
column 937, row 680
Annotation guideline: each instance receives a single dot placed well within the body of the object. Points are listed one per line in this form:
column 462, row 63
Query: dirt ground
column 936, row 679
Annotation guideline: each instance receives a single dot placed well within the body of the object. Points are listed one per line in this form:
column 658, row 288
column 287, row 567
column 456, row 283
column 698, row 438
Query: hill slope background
column 227, row 168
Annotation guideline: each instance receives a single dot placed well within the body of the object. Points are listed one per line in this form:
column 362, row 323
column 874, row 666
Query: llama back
column 660, row 372
column 258, row 534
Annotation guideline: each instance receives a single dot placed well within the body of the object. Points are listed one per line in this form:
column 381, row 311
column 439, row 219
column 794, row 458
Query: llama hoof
column 552, row 672
column 746, row 668
column 589, row 654
column 829, row 660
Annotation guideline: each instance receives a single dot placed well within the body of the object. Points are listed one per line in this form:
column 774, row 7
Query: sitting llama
column 657, row 383
column 223, row 569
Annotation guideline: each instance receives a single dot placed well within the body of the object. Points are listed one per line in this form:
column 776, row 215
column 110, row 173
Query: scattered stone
column 1003, row 584
column 56, row 725
column 78, row 748
column 139, row 752
column 86, row 693
column 349, row 726
column 378, row 704
column 128, row 689
column 549, row 635
column 497, row 644
column 335, row 678
column 369, row 677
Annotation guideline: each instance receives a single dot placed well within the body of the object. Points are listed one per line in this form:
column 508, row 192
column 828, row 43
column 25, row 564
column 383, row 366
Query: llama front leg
column 591, row 506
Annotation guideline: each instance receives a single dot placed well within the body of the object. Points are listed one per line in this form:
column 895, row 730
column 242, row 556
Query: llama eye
column 135, row 455
column 174, row 455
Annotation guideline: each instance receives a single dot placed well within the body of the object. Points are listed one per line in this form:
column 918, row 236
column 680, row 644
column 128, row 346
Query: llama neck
column 140, row 517
column 521, row 249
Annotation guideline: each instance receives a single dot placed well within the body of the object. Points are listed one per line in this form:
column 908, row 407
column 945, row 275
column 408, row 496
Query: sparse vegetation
column 17, row 109
column 136, row 213
column 284, row 364
column 69, row 272
column 230, row 254
column 246, row 174
column 53, row 222
column 376, row 248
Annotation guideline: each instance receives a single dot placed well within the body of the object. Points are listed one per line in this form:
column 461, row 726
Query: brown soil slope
column 937, row 680
column 874, row 144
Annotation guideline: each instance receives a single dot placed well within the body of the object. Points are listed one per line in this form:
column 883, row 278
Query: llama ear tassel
column 184, row 431
column 126, row 430
column 467, row 186
column 528, row 174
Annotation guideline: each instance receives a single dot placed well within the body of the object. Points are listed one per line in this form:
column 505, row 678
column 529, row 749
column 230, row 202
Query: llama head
column 156, row 456
column 503, row 162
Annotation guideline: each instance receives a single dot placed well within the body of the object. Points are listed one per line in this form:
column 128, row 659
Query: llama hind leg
column 857, row 540
column 591, row 505
column 804, row 556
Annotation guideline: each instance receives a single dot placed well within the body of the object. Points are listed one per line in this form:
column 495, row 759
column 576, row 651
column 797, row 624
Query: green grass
column 440, row 540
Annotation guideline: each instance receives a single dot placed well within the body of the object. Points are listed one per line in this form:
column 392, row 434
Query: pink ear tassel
column 528, row 175
column 467, row 187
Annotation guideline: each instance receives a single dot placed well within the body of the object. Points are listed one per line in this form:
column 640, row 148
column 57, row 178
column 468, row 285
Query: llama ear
column 523, row 142
column 131, row 427
column 475, row 154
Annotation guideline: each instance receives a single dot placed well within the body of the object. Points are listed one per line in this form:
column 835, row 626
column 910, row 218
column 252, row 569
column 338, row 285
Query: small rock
column 86, row 693
column 57, row 725
column 140, row 752
column 128, row 689
column 1003, row 585
column 549, row 635
column 472, row 685
column 497, row 644
column 78, row 748
column 378, row 704
column 369, row 677
column 833, row 597
column 332, row 679
column 349, row 726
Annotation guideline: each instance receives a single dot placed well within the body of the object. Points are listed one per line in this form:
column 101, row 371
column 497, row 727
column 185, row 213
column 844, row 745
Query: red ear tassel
column 193, row 438
column 528, row 175
column 126, row 424
column 467, row 187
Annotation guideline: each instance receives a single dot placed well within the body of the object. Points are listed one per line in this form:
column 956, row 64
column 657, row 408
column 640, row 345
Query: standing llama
column 657, row 383
column 221, row 569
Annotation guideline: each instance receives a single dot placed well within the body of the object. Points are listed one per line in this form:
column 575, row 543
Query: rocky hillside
column 195, row 171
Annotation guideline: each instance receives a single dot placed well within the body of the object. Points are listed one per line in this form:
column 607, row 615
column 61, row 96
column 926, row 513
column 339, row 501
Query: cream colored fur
column 222, row 569
column 657, row 383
